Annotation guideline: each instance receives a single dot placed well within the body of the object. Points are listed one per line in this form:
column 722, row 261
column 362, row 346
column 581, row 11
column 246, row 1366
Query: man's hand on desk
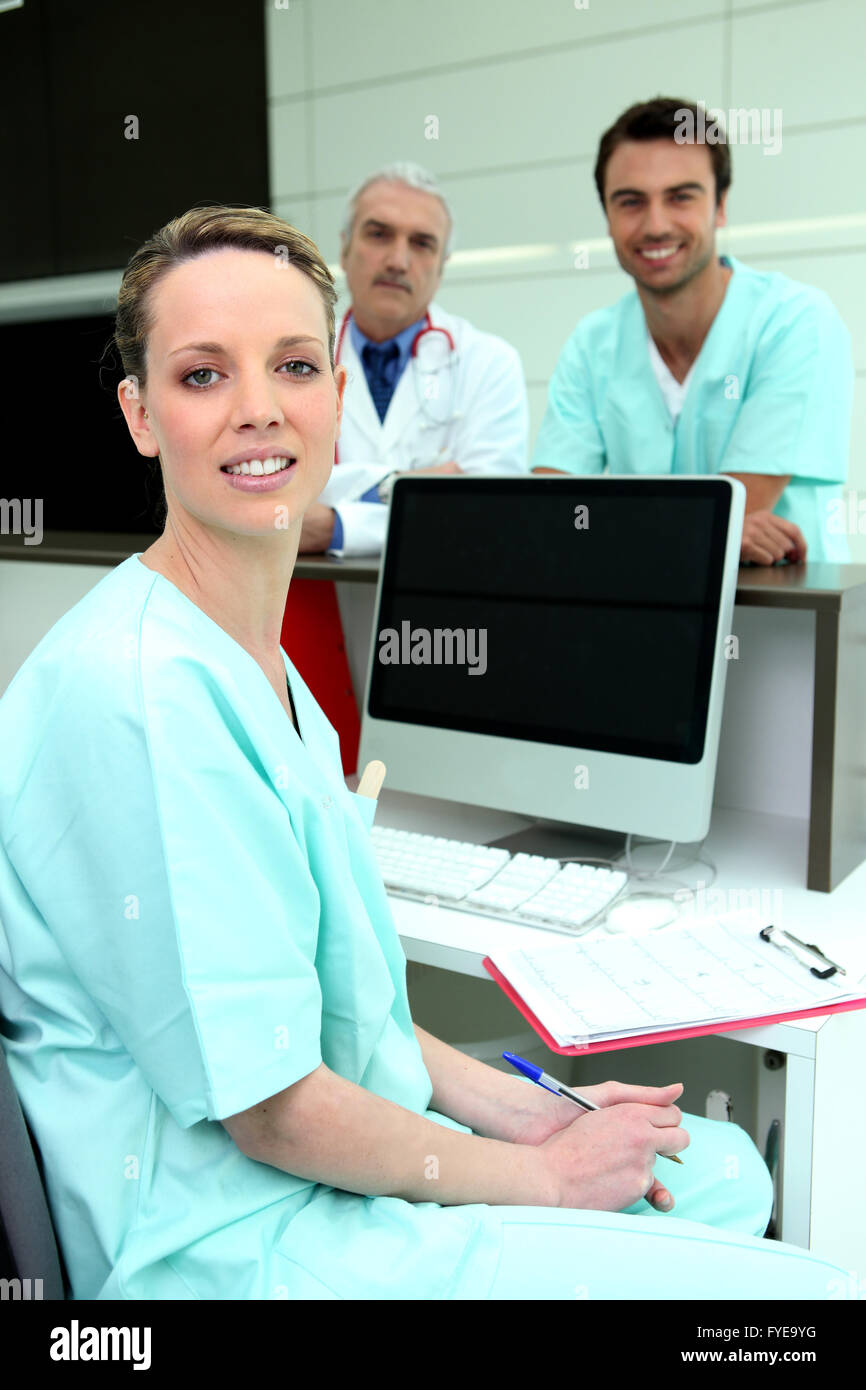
column 317, row 529
column 768, row 538
column 611, row 1164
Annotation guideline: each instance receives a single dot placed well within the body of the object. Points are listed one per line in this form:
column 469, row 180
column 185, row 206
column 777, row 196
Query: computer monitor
column 556, row 646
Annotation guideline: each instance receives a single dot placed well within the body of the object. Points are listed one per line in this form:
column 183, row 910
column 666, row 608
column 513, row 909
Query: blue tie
column 376, row 362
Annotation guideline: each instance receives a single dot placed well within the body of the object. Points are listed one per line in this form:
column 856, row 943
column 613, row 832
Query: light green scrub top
column 192, row 920
column 770, row 392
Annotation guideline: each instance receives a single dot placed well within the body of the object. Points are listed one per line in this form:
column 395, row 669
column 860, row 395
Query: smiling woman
column 200, row 898
column 194, row 235
column 242, row 414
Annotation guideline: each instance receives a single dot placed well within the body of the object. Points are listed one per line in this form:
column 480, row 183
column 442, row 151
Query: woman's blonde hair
column 193, row 234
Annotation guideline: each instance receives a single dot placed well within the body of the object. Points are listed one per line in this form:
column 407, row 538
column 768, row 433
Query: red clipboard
column 671, row 1035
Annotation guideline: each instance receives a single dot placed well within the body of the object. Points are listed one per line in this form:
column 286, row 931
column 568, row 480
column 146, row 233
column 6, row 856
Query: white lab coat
column 485, row 389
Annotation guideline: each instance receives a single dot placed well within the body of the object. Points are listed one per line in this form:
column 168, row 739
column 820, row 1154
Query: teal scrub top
column 192, row 920
column 771, row 392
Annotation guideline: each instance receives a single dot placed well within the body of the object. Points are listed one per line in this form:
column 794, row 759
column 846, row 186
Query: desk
column 817, row 1095
column 801, row 664
column 793, row 738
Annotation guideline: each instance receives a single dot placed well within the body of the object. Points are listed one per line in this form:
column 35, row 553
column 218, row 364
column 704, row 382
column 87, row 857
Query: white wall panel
column 857, row 475
column 805, row 59
column 291, row 169
column 816, row 175
column 360, row 40
column 301, row 213
column 526, row 111
column 537, row 393
column 287, row 45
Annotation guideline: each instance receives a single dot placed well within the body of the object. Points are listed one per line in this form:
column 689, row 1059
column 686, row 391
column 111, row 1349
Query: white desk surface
column 751, row 851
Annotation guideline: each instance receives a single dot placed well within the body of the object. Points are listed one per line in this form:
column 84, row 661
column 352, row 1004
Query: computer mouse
column 637, row 915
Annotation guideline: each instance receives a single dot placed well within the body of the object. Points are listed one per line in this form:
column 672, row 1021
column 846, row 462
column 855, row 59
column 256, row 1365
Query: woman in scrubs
column 203, row 992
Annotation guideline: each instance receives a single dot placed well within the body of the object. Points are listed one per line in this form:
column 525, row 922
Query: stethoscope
column 431, row 420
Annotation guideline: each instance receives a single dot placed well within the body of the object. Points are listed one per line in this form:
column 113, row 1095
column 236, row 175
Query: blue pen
column 550, row 1083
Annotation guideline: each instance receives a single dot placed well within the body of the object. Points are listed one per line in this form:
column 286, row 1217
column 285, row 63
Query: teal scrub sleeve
column 795, row 416
column 570, row 438
column 163, row 862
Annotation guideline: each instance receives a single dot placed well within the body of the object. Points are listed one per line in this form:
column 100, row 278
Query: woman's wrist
column 538, row 1114
column 512, row 1109
column 492, row 1103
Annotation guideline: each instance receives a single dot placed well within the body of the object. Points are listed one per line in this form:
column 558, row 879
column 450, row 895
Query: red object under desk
column 312, row 638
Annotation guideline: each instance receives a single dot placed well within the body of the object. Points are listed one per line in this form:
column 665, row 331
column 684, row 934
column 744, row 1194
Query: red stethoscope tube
column 413, row 352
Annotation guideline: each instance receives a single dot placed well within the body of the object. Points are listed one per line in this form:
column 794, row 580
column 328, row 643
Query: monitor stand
column 558, row 839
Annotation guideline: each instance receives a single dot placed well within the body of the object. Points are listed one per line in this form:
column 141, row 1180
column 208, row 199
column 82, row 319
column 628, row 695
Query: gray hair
column 405, row 172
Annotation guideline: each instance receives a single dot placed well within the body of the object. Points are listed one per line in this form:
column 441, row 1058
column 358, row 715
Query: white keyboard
column 526, row 888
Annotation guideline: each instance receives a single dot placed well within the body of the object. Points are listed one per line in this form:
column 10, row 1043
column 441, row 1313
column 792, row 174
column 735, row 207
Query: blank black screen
column 599, row 637
column 60, row 383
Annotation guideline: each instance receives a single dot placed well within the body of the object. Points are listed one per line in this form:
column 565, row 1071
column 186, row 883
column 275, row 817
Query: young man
column 709, row 367
column 442, row 402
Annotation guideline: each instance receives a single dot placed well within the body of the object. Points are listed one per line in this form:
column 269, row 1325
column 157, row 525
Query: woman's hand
column 546, row 1116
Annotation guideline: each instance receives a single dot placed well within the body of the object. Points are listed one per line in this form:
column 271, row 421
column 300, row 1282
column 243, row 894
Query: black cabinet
column 67, row 458
column 116, row 118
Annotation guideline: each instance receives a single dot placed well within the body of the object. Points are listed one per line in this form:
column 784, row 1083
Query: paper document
column 617, row 986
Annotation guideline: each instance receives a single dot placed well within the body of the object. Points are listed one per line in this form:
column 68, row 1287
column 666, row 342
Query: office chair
column 28, row 1244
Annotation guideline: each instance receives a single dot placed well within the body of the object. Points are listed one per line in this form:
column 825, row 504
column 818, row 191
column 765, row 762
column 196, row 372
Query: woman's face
column 222, row 387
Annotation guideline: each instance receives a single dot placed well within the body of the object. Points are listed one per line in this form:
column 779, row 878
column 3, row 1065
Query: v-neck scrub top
column 191, row 920
column 770, row 392
column 195, row 921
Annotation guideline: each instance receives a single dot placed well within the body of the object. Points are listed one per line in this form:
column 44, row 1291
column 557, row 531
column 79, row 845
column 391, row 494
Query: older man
column 427, row 392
